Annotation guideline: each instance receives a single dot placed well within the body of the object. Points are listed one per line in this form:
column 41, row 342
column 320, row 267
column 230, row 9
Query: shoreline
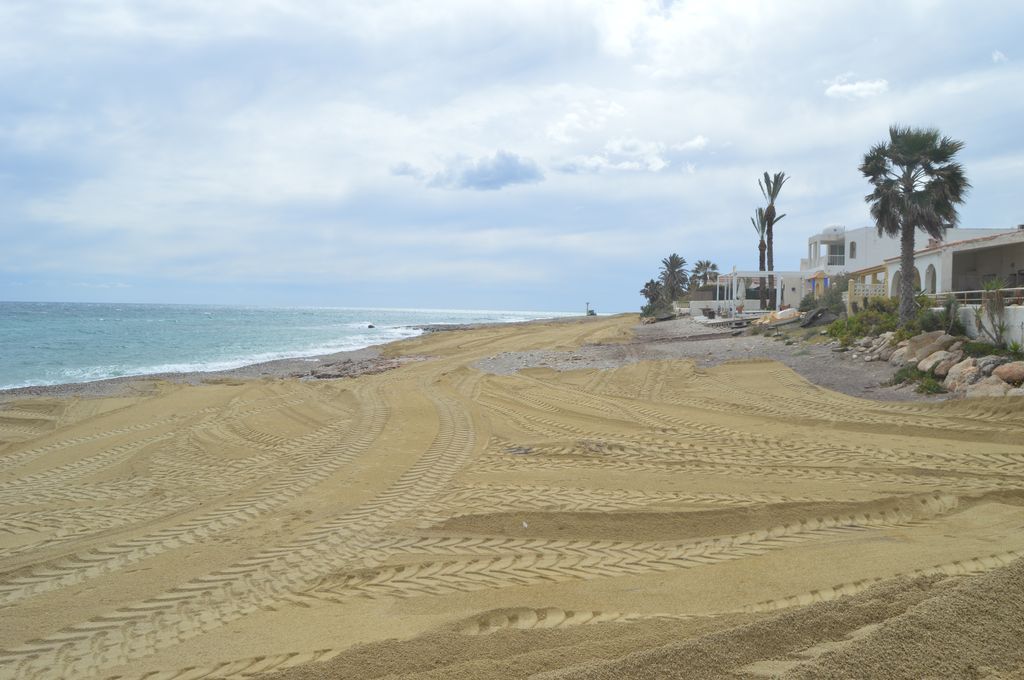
column 676, row 339
column 344, row 364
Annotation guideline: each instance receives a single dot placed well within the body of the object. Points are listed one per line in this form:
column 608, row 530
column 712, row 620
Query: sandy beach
column 577, row 499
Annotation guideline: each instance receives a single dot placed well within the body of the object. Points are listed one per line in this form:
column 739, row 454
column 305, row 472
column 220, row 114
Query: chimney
column 934, row 242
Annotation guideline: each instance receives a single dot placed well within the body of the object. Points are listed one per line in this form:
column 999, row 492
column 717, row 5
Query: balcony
column 836, row 260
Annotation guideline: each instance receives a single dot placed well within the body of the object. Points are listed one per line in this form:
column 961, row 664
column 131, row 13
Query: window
column 853, row 250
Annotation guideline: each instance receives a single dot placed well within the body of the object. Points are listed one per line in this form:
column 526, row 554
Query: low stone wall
column 1014, row 320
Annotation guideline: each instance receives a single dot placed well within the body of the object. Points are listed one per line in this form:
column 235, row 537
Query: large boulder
column 989, row 387
column 988, row 364
column 920, row 341
column 899, row 357
column 965, row 380
column 940, row 343
column 929, row 362
column 941, row 369
column 1012, row 372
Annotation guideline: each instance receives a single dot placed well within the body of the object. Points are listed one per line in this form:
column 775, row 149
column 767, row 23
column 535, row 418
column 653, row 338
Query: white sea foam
column 56, row 343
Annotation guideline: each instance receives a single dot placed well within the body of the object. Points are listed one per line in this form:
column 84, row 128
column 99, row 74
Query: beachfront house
column 838, row 250
column 963, row 261
column 959, row 268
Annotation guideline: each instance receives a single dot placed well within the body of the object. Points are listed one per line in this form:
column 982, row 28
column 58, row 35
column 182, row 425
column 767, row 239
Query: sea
column 49, row 343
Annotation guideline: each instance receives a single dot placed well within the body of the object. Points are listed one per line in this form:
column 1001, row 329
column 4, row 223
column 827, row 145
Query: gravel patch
column 687, row 339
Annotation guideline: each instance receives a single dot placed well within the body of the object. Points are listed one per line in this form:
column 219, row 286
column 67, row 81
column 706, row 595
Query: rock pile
column 876, row 349
column 943, row 356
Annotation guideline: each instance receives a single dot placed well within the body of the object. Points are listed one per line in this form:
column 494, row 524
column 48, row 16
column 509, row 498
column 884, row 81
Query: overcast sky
column 498, row 155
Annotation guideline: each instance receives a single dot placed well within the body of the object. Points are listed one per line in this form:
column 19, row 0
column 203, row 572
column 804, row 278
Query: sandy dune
column 437, row 521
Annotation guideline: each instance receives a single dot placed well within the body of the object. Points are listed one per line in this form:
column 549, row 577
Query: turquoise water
column 47, row 343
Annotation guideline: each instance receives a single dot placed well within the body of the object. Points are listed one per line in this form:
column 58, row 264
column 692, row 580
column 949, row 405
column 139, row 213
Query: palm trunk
column 761, row 288
column 907, row 311
column 771, row 267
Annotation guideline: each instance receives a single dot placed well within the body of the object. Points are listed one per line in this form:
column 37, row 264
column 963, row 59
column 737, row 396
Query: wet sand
column 625, row 513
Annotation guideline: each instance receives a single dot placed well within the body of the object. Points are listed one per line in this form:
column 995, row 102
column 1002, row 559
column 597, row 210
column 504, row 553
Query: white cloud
column 696, row 144
column 843, row 88
column 621, row 154
column 583, row 117
column 999, row 58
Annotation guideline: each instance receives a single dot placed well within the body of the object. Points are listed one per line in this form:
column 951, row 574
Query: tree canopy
column 916, row 184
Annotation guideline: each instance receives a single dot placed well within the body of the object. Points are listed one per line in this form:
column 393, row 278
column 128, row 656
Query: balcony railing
column 836, row 260
column 1011, row 296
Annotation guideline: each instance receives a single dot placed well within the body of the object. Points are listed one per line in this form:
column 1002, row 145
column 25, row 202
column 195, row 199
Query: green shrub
column 906, row 374
column 659, row 308
column 976, row 348
column 929, row 384
column 833, row 297
column 929, row 320
column 879, row 317
column 808, row 303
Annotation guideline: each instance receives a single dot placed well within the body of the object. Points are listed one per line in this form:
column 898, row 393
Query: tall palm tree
column 703, row 272
column 761, row 227
column 770, row 190
column 652, row 290
column 917, row 185
column 673, row 276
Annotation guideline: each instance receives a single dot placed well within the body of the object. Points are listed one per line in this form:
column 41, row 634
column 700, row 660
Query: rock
column 941, row 369
column 959, row 344
column 988, row 364
column 864, row 342
column 928, row 363
column 886, row 353
column 919, row 342
column 967, row 378
column 1012, row 372
column 989, row 387
column 1016, row 392
column 940, row 343
column 903, row 343
column 899, row 356
column 370, row 326
column 960, row 373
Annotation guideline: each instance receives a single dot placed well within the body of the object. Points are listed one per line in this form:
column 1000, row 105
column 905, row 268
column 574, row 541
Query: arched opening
column 929, row 279
column 896, row 279
column 917, row 279
column 853, row 250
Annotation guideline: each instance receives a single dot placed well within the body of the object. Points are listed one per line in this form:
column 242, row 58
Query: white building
column 837, row 249
column 965, row 266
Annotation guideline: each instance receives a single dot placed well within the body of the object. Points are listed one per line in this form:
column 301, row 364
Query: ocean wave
column 96, row 373
column 56, row 343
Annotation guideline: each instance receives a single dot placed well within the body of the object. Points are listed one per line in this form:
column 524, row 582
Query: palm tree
column 652, row 290
column 770, row 190
column 673, row 276
column 703, row 272
column 917, row 185
column 761, row 227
